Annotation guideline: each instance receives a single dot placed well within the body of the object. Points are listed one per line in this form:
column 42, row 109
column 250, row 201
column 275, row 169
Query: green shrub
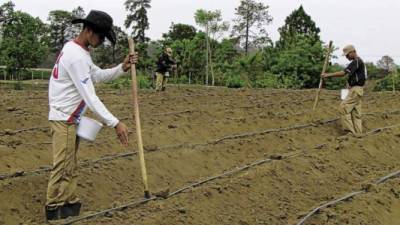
column 386, row 84
column 290, row 82
column 335, row 83
column 144, row 82
column 267, row 81
column 235, row 81
column 116, row 84
column 18, row 85
column 179, row 80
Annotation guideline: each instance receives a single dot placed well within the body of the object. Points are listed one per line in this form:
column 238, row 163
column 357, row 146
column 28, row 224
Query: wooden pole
column 321, row 81
column 137, row 120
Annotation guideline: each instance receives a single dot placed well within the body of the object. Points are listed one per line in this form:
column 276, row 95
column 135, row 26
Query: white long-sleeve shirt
column 71, row 88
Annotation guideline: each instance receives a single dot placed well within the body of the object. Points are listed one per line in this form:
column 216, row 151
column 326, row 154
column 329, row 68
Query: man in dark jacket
column 165, row 64
column 350, row 108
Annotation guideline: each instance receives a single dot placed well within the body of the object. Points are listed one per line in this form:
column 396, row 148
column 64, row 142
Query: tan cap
column 347, row 49
column 168, row 50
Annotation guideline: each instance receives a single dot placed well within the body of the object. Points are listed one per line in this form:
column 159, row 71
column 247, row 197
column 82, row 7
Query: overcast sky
column 371, row 25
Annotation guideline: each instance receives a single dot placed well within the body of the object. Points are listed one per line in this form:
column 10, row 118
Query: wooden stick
column 321, row 81
column 137, row 120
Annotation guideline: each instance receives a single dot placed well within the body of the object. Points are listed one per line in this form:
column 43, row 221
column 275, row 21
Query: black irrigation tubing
column 299, row 126
column 189, row 145
column 286, row 114
column 85, row 163
column 11, row 132
column 193, row 185
column 294, row 127
column 346, row 197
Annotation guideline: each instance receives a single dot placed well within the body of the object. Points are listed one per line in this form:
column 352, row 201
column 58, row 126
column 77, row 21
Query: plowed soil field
column 271, row 159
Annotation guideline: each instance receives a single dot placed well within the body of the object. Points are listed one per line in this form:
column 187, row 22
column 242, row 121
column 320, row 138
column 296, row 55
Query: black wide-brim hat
column 101, row 22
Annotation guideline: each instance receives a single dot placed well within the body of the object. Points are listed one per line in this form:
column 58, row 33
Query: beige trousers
column 63, row 177
column 161, row 81
column 350, row 110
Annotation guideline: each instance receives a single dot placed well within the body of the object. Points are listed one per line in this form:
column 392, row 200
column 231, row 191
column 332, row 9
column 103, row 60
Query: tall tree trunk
column 211, row 64
column 247, row 29
column 207, row 54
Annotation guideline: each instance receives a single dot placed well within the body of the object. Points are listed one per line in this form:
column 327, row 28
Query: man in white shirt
column 71, row 92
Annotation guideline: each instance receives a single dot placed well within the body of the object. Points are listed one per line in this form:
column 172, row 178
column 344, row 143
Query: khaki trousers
column 63, row 177
column 161, row 81
column 350, row 110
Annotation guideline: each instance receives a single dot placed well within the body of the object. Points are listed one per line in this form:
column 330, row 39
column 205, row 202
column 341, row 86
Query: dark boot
column 163, row 89
column 70, row 210
column 52, row 213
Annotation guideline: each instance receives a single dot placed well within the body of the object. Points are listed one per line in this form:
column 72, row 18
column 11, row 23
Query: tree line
column 231, row 53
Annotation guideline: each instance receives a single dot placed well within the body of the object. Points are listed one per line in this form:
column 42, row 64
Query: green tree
column 298, row 24
column 137, row 18
column 189, row 56
column 386, row 63
column 252, row 18
column 107, row 54
column 373, row 71
column 299, row 52
column 213, row 25
column 76, row 13
column 6, row 12
column 225, row 55
column 301, row 61
column 61, row 29
column 120, row 49
column 24, row 44
column 249, row 67
column 202, row 18
column 180, row 31
column 337, row 83
column 6, row 17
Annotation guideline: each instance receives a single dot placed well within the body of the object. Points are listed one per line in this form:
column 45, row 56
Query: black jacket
column 357, row 72
column 164, row 63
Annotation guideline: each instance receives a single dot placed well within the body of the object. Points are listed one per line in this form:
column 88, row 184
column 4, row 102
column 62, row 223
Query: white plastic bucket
column 88, row 128
column 344, row 93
